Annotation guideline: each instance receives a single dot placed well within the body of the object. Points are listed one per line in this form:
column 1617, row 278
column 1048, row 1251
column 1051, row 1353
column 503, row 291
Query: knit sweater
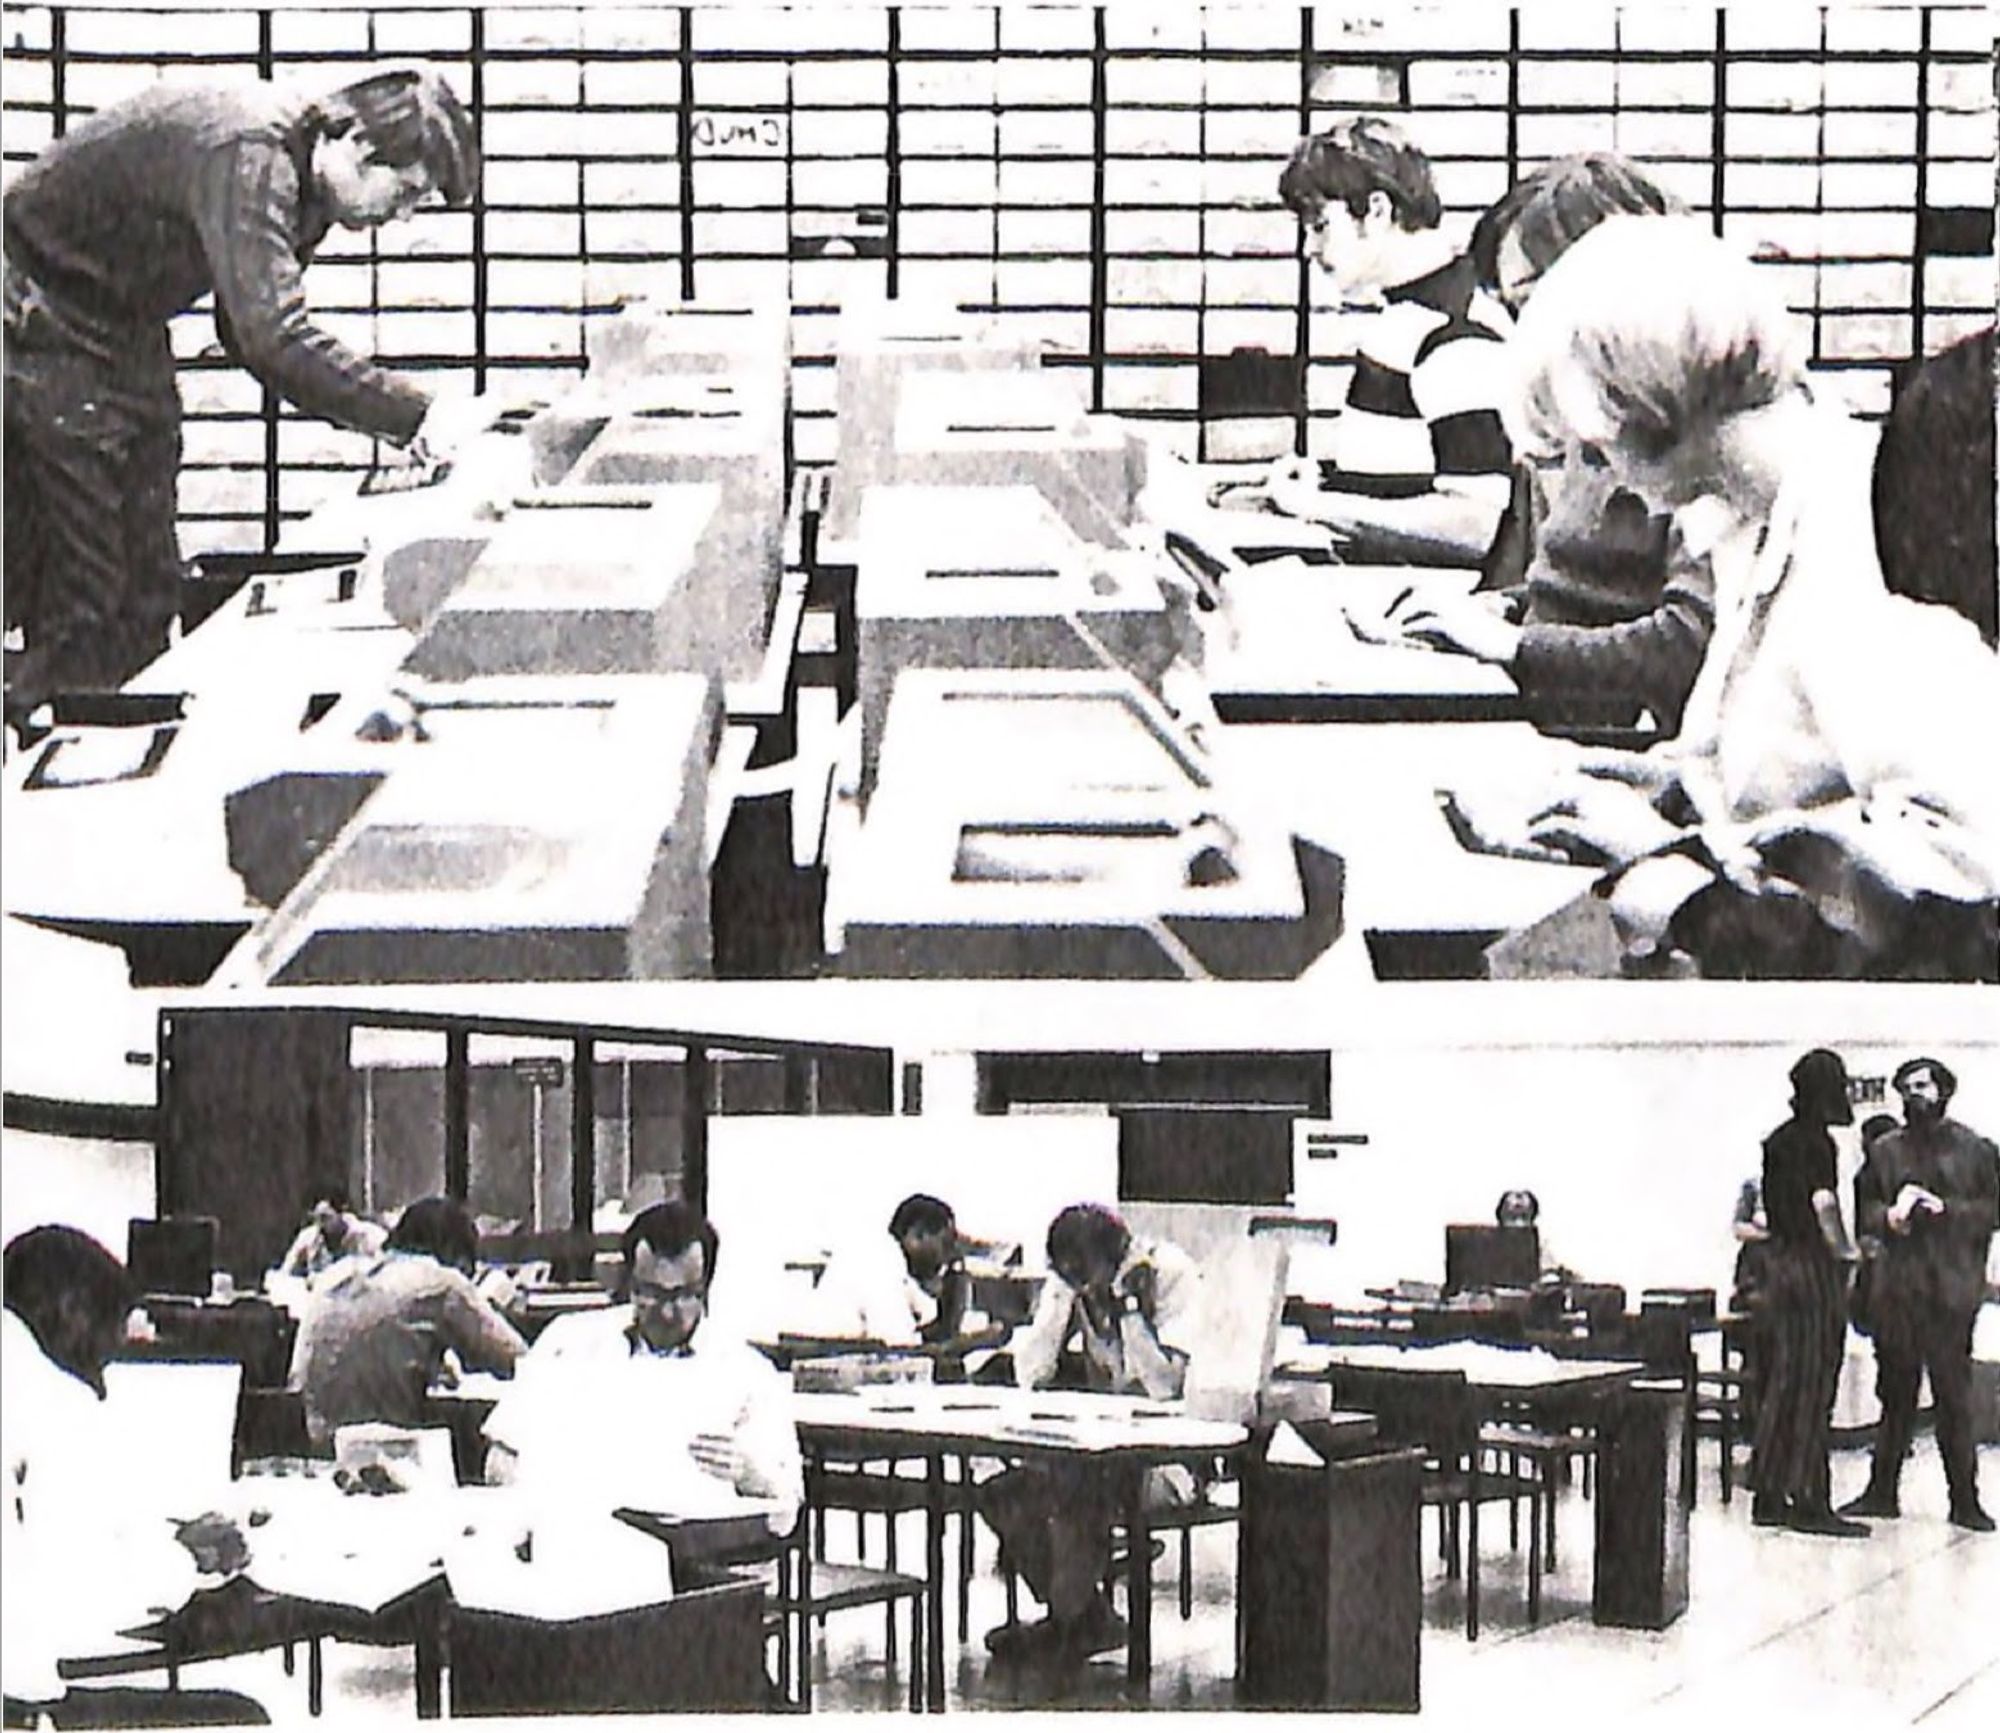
column 143, row 208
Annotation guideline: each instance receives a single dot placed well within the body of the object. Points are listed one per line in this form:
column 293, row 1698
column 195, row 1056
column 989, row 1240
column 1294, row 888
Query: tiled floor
column 1898, row 1630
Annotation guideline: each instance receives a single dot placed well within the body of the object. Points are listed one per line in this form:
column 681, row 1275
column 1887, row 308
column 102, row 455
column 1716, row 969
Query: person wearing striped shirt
column 1421, row 465
column 130, row 218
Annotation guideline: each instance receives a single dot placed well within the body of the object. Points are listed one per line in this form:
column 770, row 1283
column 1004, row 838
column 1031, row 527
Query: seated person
column 1129, row 1304
column 1421, row 461
column 1588, row 601
column 375, row 1342
column 1828, row 809
column 75, row 1571
column 1520, row 1208
column 332, row 1232
column 1933, row 484
column 639, row 1396
column 909, row 1288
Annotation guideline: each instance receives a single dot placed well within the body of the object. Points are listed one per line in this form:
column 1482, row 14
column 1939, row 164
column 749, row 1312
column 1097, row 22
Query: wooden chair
column 1722, row 1409
column 872, row 1488
column 1438, row 1412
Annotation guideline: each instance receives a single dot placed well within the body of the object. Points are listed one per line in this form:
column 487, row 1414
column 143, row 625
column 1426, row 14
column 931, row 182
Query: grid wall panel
column 1112, row 168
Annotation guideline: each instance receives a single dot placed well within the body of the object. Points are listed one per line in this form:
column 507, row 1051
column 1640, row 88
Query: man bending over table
column 1128, row 1304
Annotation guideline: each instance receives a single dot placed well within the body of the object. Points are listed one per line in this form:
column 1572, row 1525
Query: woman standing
column 1803, row 1317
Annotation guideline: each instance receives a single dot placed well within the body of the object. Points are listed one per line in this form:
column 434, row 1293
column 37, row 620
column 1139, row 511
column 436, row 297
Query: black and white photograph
column 906, row 858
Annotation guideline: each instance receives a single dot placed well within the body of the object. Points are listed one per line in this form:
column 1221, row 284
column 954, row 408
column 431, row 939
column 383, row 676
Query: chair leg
column 916, row 1653
column 1549, row 1521
column 1535, row 1558
column 966, row 1518
column 1472, row 1560
column 1726, row 1430
column 1187, row 1573
column 889, row 1609
column 315, row 1679
column 1513, row 1461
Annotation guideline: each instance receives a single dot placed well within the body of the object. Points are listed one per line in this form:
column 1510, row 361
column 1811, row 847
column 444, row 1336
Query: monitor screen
column 1482, row 1256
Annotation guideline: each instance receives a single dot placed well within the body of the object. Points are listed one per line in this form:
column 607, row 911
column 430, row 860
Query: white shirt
column 1825, row 699
column 75, row 1567
column 868, row 1291
column 1059, row 1313
column 593, row 1417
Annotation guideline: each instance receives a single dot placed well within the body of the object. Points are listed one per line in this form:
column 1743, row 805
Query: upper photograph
column 1336, row 494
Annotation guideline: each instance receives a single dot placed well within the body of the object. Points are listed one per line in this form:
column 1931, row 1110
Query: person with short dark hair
column 1588, row 600
column 77, row 1569
column 1128, row 1304
column 1803, row 1317
column 1930, row 1193
column 332, row 1234
column 623, row 1405
column 374, row 1341
column 908, row 1288
column 1420, row 459
column 129, row 218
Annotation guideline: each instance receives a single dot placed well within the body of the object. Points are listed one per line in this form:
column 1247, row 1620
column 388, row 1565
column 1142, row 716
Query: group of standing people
column 1926, row 1204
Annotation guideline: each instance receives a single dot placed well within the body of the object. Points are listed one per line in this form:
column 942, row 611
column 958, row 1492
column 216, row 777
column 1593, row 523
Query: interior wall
column 1636, row 1151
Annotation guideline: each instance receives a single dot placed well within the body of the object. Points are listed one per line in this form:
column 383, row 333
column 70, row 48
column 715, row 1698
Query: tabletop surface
column 1483, row 1363
column 1066, row 1420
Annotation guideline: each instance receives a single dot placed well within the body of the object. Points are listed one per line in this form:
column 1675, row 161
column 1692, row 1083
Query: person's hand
column 1142, row 1283
column 1913, row 1200
column 1599, row 823
column 1466, row 626
column 1291, row 486
column 714, row 1453
column 216, row 1543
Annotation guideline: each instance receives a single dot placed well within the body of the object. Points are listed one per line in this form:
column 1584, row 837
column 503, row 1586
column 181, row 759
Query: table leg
column 933, row 1658
column 430, row 1660
column 315, row 1678
column 1138, row 1590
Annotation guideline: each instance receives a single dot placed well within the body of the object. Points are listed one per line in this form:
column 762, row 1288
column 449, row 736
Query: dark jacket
column 1940, row 1264
column 145, row 207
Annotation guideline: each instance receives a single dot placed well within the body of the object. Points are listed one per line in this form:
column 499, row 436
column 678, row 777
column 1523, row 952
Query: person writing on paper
column 1802, row 1319
column 1128, row 1305
column 375, row 1341
column 624, row 1403
column 332, row 1234
column 130, row 218
column 1588, row 600
column 1420, row 462
column 1930, row 1193
column 75, row 1571
column 1828, row 809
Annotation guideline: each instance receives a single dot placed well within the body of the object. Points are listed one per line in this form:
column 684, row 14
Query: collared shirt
column 595, row 1413
column 868, row 1291
column 180, row 191
column 74, row 1568
column 370, row 1344
column 1060, row 1314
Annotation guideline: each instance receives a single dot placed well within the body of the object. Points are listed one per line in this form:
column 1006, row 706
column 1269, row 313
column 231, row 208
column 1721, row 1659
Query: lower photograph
column 383, row 1357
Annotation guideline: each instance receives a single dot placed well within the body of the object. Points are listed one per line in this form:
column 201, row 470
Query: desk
column 1427, row 905
column 1295, row 658
column 915, row 1424
column 389, row 1589
column 1639, row 1565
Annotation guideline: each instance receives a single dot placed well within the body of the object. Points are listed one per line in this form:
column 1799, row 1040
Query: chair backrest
column 1483, row 1255
column 1663, row 1337
column 172, row 1256
column 1434, row 1409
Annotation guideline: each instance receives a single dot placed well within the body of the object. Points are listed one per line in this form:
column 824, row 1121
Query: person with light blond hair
column 1828, row 809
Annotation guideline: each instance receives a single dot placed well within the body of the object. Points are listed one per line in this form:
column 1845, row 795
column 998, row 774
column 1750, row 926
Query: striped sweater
column 143, row 208
column 1422, row 410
